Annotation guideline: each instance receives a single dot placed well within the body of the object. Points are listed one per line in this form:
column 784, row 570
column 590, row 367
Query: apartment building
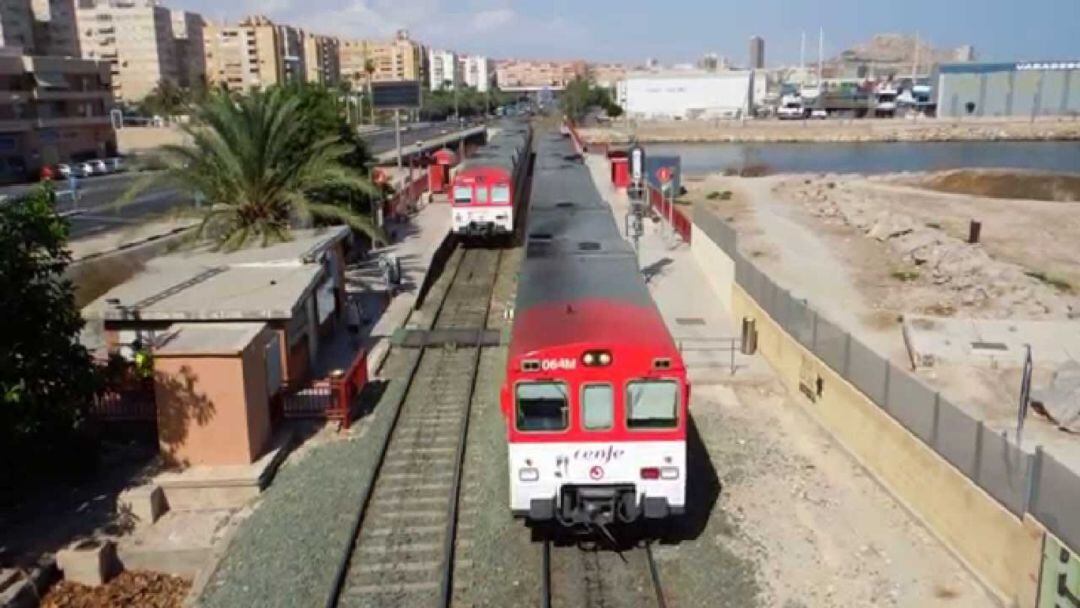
column 243, row 56
column 52, row 109
column 477, row 72
column 535, row 75
column 290, row 41
column 257, row 53
column 135, row 37
column 322, row 59
column 189, row 31
column 55, row 32
column 399, row 59
column 17, row 24
column 352, row 62
column 444, row 70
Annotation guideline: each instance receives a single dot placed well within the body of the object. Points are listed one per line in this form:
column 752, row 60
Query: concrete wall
column 213, row 409
column 141, row 139
column 1002, row 550
column 1009, row 92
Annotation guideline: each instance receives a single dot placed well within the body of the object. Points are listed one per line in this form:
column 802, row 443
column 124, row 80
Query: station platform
column 416, row 239
column 706, row 335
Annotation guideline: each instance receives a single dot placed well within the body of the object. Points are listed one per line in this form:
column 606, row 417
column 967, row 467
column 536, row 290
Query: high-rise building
column 322, row 59
column 290, row 41
column 17, row 25
column 757, row 53
column 399, row 59
column 244, row 56
column 353, row 62
column 477, row 72
column 189, row 30
column 444, row 70
column 135, row 37
column 52, row 110
column 55, row 32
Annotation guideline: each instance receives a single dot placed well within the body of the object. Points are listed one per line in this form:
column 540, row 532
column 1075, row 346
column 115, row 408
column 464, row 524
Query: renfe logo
column 603, row 455
column 564, row 363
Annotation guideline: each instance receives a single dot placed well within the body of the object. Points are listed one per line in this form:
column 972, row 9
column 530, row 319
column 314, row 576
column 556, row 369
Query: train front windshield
column 463, row 194
column 652, row 404
column 542, row 406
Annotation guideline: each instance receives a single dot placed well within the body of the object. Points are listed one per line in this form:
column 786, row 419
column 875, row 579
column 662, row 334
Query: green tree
column 167, row 99
column 264, row 163
column 47, row 379
column 581, row 95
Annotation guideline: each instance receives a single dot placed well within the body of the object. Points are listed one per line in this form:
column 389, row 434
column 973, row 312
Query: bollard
column 974, row 229
column 748, row 344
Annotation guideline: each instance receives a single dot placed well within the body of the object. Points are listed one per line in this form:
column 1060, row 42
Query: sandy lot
column 865, row 251
column 863, row 130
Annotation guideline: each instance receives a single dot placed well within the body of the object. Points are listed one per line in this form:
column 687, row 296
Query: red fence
column 399, row 203
column 331, row 398
column 671, row 212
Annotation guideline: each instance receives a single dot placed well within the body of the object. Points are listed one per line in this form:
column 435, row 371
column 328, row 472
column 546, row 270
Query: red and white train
column 596, row 394
column 486, row 188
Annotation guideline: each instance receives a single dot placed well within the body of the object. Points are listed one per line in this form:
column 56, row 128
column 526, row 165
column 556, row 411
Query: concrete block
column 146, row 503
column 89, row 561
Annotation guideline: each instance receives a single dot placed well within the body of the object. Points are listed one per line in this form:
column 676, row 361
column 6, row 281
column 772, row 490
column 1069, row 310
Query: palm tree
column 369, row 69
column 248, row 160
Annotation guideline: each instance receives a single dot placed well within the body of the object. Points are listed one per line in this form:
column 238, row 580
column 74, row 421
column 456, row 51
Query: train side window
column 481, row 194
column 597, row 406
column 652, row 404
column 463, row 194
column 542, row 406
column 500, row 194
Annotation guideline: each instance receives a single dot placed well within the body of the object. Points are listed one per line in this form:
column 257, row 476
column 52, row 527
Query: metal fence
column 1021, row 481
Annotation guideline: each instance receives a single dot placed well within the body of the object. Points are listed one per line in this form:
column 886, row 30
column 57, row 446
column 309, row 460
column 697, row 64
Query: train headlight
column 596, row 358
column 528, row 474
column 669, row 472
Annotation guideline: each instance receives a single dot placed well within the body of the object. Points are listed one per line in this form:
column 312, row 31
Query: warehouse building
column 1042, row 88
column 686, row 95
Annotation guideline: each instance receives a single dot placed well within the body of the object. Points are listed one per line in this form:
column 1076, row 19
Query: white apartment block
column 444, row 69
column 16, row 24
column 135, row 37
column 477, row 72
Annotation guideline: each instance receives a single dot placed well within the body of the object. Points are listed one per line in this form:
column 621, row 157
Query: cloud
column 493, row 19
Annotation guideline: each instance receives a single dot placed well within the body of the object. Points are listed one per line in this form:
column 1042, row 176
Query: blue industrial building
column 1034, row 88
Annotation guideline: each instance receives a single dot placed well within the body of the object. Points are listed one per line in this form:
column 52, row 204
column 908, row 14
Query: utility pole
column 915, row 64
column 820, row 58
column 802, row 56
column 397, row 135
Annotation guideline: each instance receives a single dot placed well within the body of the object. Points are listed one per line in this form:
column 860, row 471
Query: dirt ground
column 142, row 589
column 819, row 530
column 866, row 251
column 835, row 130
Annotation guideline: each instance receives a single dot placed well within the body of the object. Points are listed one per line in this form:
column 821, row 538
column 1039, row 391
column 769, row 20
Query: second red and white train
column 487, row 187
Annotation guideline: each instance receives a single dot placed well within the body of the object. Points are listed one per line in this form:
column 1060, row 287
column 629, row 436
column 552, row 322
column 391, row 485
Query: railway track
column 591, row 574
column 406, row 530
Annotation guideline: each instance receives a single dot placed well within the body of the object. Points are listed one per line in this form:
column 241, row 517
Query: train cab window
column 481, row 194
column 597, row 406
column 652, row 404
column 542, row 406
column 500, row 194
column 463, row 194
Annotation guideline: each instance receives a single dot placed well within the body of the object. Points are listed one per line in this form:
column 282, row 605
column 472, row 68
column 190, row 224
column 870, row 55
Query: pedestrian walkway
column 415, row 242
column 704, row 331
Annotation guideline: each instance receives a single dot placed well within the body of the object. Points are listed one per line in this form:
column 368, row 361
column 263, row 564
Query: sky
column 678, row 30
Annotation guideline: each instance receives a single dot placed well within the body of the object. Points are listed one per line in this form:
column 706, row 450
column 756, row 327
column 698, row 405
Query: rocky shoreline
column 826, row 131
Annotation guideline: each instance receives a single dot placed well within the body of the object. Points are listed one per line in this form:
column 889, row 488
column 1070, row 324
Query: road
column 97, row 211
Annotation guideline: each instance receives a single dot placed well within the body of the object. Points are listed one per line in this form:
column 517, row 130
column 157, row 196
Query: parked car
column 115, row 164
column 819, row 113
column 99, row 167
column 83, row 170
column 63, row 171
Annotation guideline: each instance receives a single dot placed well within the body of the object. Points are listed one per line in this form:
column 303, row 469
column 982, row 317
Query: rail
column 429, row 367
column 548, row 589
column 131, row 404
